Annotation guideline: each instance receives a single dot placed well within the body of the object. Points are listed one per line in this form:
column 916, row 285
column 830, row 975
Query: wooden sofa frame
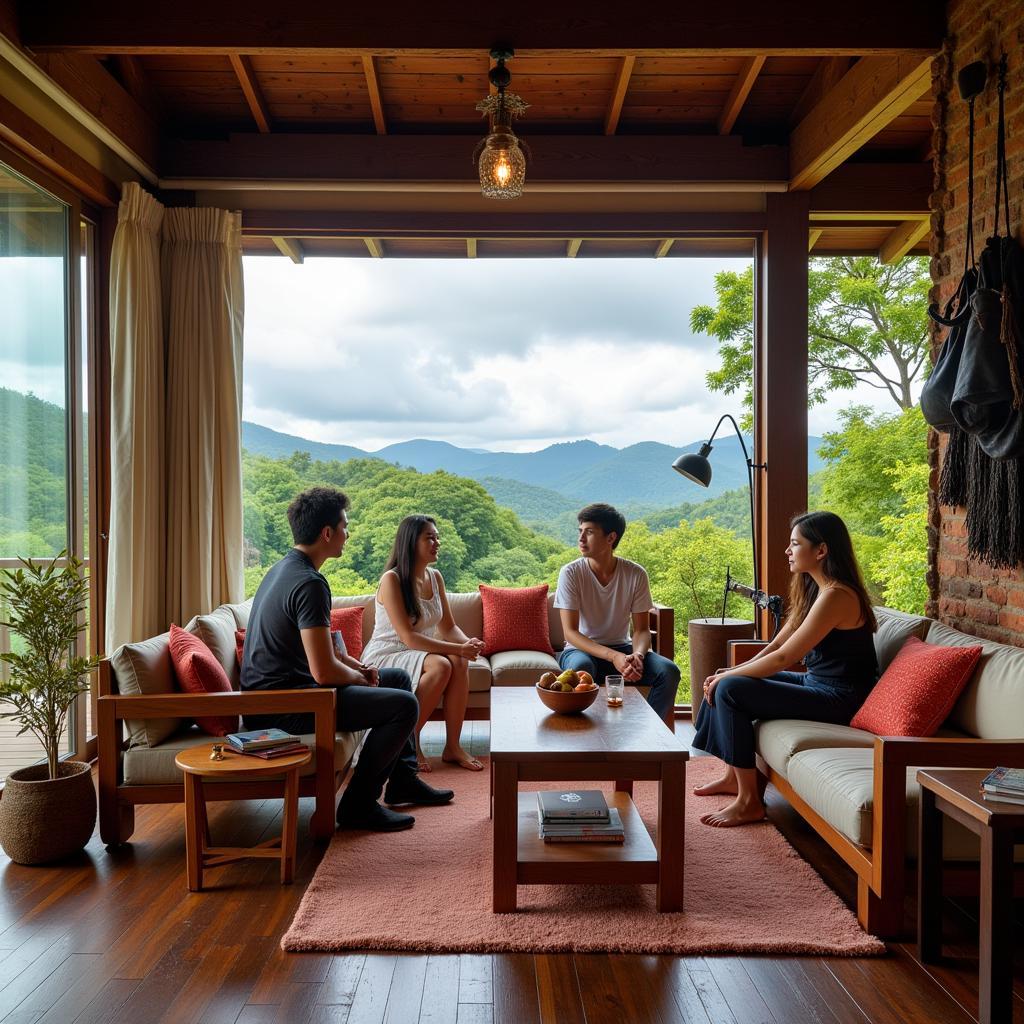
column 881, row 871
column 117, row 801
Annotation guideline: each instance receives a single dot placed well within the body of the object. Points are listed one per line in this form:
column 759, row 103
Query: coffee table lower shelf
column 632, row 862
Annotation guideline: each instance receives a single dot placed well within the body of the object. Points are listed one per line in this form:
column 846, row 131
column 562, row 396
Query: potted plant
column 48, row 811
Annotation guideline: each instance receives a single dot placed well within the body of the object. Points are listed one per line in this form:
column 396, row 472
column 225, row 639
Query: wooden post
column 780, row 385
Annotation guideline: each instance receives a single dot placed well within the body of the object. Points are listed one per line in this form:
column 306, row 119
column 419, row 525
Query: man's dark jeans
column 389, row 711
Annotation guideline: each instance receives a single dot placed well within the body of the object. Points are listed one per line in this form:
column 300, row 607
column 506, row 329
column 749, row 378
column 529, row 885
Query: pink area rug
column 429, row 889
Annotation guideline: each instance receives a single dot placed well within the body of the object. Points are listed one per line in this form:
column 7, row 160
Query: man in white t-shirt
column 598, row 597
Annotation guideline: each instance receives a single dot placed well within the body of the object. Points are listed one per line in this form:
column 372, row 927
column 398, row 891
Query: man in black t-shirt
column 288, row 646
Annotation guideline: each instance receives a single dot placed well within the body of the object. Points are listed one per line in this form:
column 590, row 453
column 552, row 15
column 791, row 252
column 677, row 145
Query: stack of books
column 1004, row 784
column 266, row 743
column 577, row 816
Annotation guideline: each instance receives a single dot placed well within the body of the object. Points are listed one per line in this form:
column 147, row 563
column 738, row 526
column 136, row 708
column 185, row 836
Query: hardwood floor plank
column 26, row 970
column 558, row 990
column 440, row 1003
column 684, row 992
column 515, row 989
column 329, row 1013
column 106, row 1004
column 339, row 987
column 646, row 991
column 784, row 1001
column 49, row 991
column 715, row 1004
column 228, row 1000
column 820, row 989
column 740, row 992
column 476, row 978
column 475, row 1013
column 601, row 998
column 371, row 997
column 406, row 995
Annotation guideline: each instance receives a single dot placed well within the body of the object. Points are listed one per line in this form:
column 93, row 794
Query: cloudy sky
column 501, row 354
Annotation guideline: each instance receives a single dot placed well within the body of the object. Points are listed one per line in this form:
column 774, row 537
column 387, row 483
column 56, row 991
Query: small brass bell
column 217, row 754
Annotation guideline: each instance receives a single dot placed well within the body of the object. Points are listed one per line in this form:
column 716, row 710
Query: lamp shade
column 694, row 467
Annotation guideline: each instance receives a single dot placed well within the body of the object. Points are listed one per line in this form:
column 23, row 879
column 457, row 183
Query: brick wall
column 965, row 593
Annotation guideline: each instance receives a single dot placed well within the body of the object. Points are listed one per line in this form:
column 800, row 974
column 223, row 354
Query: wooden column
column 780, row 384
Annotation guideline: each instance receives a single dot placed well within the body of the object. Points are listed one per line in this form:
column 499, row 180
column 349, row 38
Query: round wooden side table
column 198, row 767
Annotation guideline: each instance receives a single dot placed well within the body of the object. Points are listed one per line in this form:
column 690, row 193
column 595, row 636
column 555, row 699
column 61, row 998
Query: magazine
column 260, row 739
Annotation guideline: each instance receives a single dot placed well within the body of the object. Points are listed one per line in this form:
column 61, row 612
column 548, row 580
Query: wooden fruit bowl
column 567, row 703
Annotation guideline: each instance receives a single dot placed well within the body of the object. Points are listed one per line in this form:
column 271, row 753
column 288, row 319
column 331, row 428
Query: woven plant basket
column 44, row 819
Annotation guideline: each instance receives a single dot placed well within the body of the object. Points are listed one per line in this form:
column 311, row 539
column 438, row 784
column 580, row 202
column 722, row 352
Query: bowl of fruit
column 568, row 693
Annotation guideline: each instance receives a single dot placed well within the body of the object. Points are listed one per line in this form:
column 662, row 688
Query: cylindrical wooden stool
column 708, row 641
column 197, row 766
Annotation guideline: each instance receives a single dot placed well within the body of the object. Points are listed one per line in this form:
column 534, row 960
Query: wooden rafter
column 572, row 247
column 812, row 237
column 242, row 66
column 894, row 192
column 902, row 239
column 257, row 26
column 471, row 248
column 290, row 247
column 738, row 96
column 611, row 119
column 136, row 82
column 373, row 88
column 375, row 247
column 827, row 75
column 870, row 95
column 663, row 248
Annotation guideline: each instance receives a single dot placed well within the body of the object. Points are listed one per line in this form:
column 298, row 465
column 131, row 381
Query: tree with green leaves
column 867, row 324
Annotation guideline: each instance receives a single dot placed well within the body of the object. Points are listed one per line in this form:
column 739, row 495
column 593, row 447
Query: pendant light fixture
column 500, row 157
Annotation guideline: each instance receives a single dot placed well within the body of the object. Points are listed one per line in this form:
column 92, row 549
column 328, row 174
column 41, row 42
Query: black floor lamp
column 698, row 469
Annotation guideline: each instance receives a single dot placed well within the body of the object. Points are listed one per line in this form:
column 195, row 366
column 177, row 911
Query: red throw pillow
column 239, row 645
column 515, row 619
column 918, row 690
column 198, row 671
column 350, row 622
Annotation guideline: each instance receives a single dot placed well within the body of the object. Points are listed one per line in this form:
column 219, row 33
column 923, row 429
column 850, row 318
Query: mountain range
column 553, row 480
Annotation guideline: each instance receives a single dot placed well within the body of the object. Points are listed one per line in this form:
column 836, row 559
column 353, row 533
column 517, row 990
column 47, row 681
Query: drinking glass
column 614, row 687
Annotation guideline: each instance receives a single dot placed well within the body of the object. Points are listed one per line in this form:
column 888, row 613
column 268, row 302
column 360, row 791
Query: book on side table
column 1004, row 784
column 265, row 743
column 577, row 816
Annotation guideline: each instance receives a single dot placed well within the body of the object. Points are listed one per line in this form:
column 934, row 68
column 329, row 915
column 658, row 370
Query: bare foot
column 726, row 784
column 736, row 813
column 422, row 764
column 458, row 756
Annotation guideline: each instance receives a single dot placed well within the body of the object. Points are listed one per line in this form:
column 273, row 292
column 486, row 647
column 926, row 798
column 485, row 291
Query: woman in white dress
column 414, row 630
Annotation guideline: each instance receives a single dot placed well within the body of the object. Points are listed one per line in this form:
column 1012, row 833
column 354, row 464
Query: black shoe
column 414, row 790
column 374, row 818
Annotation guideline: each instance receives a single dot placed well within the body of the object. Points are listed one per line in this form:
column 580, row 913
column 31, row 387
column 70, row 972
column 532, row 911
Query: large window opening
column 43, row 408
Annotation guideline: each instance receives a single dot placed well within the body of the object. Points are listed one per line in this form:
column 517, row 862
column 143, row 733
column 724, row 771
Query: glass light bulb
column 502, row 170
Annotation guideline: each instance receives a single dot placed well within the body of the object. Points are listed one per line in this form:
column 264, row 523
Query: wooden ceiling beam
column 441, row 162
column 137, row 83
column 874, row 92
column 572, row 247
column 373, row 88
column 242, row 67
column 576, row 227
column 256, row 26
column 375, row 247
column 827, row 75
column 902, row 239
column 886, row 191
column 663, row 248
column 812, row 237
column 611, row 119
column 290, row 247
column 740, row 91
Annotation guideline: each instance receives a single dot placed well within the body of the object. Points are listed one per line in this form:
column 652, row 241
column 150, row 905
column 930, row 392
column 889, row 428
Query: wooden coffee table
column 198, row 768
column 529, row 743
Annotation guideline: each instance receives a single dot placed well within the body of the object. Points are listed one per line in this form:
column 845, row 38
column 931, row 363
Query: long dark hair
column 403, row 560
column 840, row 564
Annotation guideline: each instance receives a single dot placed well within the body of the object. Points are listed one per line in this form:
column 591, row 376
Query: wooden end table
column 198, row 768
column 957, row 792
column 529, row 743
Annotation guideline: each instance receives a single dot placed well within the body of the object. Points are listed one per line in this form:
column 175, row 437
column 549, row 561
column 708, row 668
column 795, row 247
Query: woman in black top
column 829, row 627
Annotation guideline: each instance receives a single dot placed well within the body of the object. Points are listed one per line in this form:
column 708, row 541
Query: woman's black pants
column 726, row 728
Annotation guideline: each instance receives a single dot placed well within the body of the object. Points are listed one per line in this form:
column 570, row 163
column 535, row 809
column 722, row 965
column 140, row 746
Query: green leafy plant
column 45, row 604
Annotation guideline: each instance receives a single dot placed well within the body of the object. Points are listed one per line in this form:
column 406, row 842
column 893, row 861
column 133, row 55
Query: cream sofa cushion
column 468, row 613
column 520, row 668
column 145, row 668
column 779, row 739
column 217, row 631
column 154, row 766
column 838, row 784
column 992, row 704
column 894, row 629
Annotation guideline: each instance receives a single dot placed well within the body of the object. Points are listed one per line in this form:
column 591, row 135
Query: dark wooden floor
column 117, row 937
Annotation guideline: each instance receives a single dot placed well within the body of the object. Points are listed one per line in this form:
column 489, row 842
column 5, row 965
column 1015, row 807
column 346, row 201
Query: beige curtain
column 203, row 300
column 135, row 561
